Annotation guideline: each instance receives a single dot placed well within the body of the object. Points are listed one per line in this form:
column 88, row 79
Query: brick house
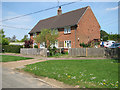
column 73, row 27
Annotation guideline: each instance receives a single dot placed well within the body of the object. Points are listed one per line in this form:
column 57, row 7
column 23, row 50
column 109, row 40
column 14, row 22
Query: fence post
column 86, row 51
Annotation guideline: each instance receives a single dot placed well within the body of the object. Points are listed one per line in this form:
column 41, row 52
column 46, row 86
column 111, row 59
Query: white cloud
column 112, row 9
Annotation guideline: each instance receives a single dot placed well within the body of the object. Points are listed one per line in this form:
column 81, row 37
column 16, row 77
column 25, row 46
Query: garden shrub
column 36, row 46
column 84, row 45
column 12, row 48
column 52, row 51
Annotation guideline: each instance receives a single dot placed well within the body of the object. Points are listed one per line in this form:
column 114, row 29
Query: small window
column 67, row 30
column 42, row 45
column 56, row 31
column 34, row 35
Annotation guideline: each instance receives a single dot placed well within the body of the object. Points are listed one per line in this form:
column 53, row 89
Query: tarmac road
column 12, row 79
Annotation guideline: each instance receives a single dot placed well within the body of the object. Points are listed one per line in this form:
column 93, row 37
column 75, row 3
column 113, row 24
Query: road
column 13, row 79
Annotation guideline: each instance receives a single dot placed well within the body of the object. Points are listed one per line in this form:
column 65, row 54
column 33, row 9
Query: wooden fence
column 34, row 51
column 99, row 52
column 112, row 53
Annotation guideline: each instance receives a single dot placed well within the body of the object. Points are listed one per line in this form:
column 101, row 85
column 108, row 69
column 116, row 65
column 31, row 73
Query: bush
column 52, row 51
column 84, row 45
column 12, row 48
column 36, row 46
column 28, row 43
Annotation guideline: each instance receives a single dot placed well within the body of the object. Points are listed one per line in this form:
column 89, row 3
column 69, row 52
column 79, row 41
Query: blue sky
column 105, row 12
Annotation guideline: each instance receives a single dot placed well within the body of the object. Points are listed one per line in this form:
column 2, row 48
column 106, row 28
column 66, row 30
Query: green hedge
column 12, row 48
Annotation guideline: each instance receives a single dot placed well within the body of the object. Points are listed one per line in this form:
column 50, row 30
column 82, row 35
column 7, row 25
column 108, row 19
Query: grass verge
column 8, row 58
column 79, row 73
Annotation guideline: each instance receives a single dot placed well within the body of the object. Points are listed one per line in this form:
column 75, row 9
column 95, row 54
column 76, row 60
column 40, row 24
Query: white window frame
column 42, row 45
column 67, row 42
column 56, row 31
column 34, row 35
column 67, row 30
column 56, row 44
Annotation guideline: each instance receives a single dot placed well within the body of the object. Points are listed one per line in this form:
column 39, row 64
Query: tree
column 3, row 40
column 104, row 35
column 28, row 43
column 47, row 36
column 13, row 38
column 25, row 38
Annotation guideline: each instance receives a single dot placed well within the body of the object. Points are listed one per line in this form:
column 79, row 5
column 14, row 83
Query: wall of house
column 88, row 28
column 62, row 37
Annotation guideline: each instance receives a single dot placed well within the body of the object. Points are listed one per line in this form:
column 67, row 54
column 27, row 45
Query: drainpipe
column 75, row 35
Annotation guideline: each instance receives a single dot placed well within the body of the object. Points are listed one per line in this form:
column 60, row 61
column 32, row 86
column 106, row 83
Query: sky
column 105, row 12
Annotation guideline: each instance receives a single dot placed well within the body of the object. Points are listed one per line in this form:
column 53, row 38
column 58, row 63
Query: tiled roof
column 66, row 19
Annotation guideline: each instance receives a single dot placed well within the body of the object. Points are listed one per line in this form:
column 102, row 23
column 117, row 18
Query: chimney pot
column 59, row 11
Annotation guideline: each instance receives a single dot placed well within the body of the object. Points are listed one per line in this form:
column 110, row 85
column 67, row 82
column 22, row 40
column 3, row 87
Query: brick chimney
column 59, row 11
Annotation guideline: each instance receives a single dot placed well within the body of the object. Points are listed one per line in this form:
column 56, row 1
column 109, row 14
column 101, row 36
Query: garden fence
column 34, row 51
column 98, row 52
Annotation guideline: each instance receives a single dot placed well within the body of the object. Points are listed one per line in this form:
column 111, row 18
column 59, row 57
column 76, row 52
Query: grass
column 8, row 58
column 80, row 73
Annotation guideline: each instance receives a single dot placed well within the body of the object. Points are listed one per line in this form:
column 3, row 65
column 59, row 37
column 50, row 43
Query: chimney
column 59, row 11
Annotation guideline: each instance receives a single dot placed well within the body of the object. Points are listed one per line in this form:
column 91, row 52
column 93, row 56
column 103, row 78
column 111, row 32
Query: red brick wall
column 88, row 28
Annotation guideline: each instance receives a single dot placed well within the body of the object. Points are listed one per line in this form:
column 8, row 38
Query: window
column 67, row 44
column 56, row 31
column 55, row 44
column 34, row 35
column 67, row 30
column 42, row 45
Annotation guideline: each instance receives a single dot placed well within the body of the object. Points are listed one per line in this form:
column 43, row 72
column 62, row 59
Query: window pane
column 65, row 30
column 65, row 43
column 69, row 43
column 69, row 30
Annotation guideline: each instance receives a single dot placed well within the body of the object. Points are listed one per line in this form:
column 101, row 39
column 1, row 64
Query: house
column 73, row 27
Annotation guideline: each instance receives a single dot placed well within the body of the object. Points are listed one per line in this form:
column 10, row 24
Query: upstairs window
column 34, row 35
column 56, row 31
column 67, row 30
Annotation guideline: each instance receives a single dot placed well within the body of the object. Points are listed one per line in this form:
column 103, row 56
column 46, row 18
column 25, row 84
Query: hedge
column 12, row 48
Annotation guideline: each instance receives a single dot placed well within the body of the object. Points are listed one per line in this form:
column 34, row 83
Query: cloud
column 112, row 9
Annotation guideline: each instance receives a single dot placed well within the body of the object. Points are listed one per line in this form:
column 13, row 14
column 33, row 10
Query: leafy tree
column 13, row 38
column 104, row 35
column 47, row 36
column 25, row 38
column 2, row 33
column 3, row 40
column 28, row 43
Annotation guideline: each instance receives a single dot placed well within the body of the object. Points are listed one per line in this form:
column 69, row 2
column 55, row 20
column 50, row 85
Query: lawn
column 80, row 73
column 8, row 58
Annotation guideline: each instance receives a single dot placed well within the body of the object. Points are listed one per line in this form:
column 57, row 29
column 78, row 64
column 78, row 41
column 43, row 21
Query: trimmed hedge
column 12, row 48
